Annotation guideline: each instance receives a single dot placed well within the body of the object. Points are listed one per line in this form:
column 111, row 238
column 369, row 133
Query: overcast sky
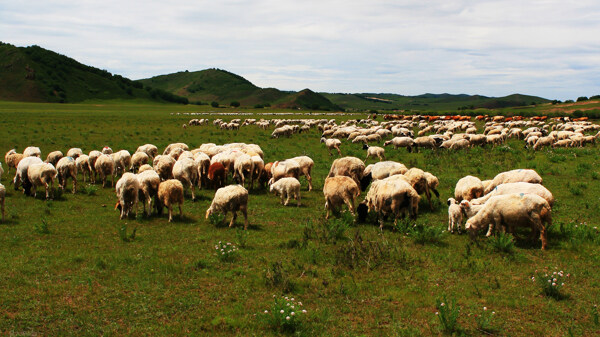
column 546, row 48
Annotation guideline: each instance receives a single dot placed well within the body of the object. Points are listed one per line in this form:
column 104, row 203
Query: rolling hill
column 35, row 74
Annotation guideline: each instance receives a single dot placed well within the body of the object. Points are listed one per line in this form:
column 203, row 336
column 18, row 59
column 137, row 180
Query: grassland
column 65, row 269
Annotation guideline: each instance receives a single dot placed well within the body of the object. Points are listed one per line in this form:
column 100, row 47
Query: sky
column 545, row 48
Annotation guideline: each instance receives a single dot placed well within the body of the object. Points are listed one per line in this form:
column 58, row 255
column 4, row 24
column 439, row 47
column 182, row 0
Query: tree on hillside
column 581, row 99
column 235, row 104
column 214, row 104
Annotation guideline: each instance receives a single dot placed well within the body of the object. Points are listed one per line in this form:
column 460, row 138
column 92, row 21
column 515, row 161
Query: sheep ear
column 449, row 202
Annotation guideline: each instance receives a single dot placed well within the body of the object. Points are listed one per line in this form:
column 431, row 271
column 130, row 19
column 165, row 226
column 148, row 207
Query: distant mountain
column 224, row 87
column 35, row 74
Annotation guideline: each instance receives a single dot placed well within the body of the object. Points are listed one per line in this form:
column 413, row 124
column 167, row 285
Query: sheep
column 348, row 166
column 92, row 157
column 426, row 142
column 170, row 148
column 374, row 151
column 12, row 159
column 145, row 167
column 42, row 174
column 138, row 159
column 203, row 162
column 122, row 161
column 285, row 168
column 149, row 149
column 306, row 165
column 216, row 175
column 416, row 178
column 1, row 171
column 176, row 152
column 53, row 157
column 286, row 188
column 67, row 167
column 232, row 198
column 149, row 182
column 2, row 198
column 243, row 166
column 107, row 150
column 455, row 215
column 397, row 142
column 21, row 173
column 74, row 152
column 32, row 151
column 186, row 171
column 163, row 165
column 105, row 166
column 512, row 210
column 259, row 169
column 332, row 144
column 543, row 141
column 83, row 166
column 392, row 195
column 338, row 190
column 513, row 176
column 468, row 188
column 170, row 192
column 127, row 190
column 518, row 187
column 433, row 182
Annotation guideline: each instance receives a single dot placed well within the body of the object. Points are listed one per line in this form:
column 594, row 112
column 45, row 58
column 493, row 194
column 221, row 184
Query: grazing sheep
column 53, row 157
column 216, row 175
column 149, row 182
column 2, row 198
column 339, row 190
column 32, row 151
column 350, row 167
column 392, row 195
column 514, row 176
column 517, row 188
column 455, row 215
column 383, row 169
column 163, row 165
column 416, row 178
column 232, row 198
column 127, row 190
column 332, row 143
column 374, row 151
column 425, row 142
column 543, row 141
column 42, row 174
column 149, row 149
column 511, row 210
column 203, row 161
column 243, row 166
column 186, row 171
column 138, row 159
column 12, row 159
column 145, row 167
column 122, row 161
column 468, row 188
column 433, row 182
column 286, row 188
column 170, row 148
column 306, row 165
column 67, row 167
column 170, row 192
column 397, row 142
column 21, row 173
column 259, row 170
column 105, row 166
column 285, row 168
column 74, row 152
column 83, row 165
column 107, row 150
column 92, row 157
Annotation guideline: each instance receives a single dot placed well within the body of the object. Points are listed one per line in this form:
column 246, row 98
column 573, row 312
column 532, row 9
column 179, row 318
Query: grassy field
column 70, row 267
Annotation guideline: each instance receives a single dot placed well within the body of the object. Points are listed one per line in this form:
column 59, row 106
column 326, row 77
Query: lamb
column 416, row 178
column 32, row 151
column 149, row 182
column 339, row 190
column 53, row 157
column 122, row 161
column 138, row 159
column 392, row 195
column 42, row 174
column 67, row 167
column 216, row 175
column 83, row 166
column 286, row 188
column 518, row 188
column 232, row 198
column 374, row 151
column 21, row 173
column 2, row 198
column 512, row 210
column 243, row 166
column 186, row 171
column 149, row 149
column 163, row 165
column 92, row 157
column 397, row 142
column 285, row 168
column 524, row 175
column 105, row 166
column 468, row 188
column 332, row 143
column 74, row 152
column 455, row 215
column 350, row 167
column 127, row 190
column 306, row 165
column 12, row 159
column 170, row 192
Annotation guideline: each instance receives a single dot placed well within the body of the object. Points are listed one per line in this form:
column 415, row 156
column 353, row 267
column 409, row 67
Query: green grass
column 71, row 267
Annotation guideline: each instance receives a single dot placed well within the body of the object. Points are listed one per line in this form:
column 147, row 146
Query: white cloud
column 492, row 47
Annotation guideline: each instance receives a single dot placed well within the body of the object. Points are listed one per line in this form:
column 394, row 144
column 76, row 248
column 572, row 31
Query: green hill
column 34, row 74
column 225, row 87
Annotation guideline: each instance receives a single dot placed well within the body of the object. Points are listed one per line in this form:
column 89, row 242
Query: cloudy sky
column 498, row 47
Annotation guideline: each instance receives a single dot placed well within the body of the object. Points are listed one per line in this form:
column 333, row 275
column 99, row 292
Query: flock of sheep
column 514, row 198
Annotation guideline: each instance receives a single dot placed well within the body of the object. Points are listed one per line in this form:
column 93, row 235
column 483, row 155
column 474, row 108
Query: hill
column 35, row 74
column 225, row 87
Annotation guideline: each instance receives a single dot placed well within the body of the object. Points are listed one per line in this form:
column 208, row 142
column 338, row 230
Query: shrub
column 275, row 276
column 123, row 233
column 214, row 104
column 551, row 283
column 582, row 98
column 448, row 312
column 89, row 190
column 216, row 219
column 41, row 227
column 422, row 234
column 285, row 315
column 502, row 242
column 226, row 252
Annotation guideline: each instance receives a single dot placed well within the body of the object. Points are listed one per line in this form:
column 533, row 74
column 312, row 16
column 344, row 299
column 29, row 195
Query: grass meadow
column 69, row 266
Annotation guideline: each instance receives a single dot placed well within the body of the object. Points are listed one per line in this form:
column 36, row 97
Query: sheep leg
column 233, row 219
column 112, row 184
column 297, row 197
column 327, row 209
column 309, row 178
column 180, row 211
column 428, row 194
column 338, row 150
column 245, row 213
column 287, row 200
column 542, row 236
column 74, row 184
column 450, row 225
column 193, row 195
column 170, row 212
column 350, row 203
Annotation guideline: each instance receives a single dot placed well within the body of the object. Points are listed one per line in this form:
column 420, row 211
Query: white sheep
column 232, row 198
column 53, row 157
column 186, row 171
column 203, row 161
column 173, row 146
column 517, row 188
column 306, row 165
column 42, row 174
column 67, row 168
column 107, row 150
column 163, row 165
column 149, row 182
column 105, row 166
column 149, row 149
column 455, row 215
column 12, row 159
column 285, row 168
column 21, row 173
column 417, row 179
column 397, row 142
column 145, row 167
column 350, row 167
column 468, row 188
column 74, row 152
column 170, row 192
column 122, row 161
column 127, row 190
column 83, row 166
column 514, row 176
column 339, row 190
column 392, row 195
column 286, row 188
column 375, row 151
column 2, row 199
column 92, row 157
column 32, row 151
column 138, row 159
column 243, row 166
column 332, row 143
